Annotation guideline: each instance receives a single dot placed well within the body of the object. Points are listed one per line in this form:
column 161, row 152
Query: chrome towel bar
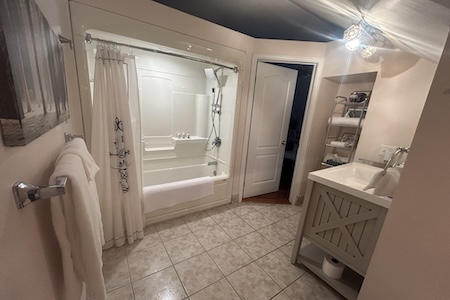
column 25, row 193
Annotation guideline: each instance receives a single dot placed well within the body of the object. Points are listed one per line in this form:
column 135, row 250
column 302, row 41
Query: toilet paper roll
column 332, row 267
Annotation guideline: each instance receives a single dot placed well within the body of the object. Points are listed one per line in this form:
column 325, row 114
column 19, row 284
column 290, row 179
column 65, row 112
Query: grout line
column 282, row 289
column 129, row 272
column 225, row 276
column 182, row 284
column 172, row 264
column 206, row 251
column 217, row 266
column 118, row 287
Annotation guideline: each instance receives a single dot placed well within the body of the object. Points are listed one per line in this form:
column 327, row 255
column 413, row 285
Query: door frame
column 300, row 164
column 283, row 78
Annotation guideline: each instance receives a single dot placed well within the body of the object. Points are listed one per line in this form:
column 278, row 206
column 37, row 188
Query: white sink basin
column 351, row 179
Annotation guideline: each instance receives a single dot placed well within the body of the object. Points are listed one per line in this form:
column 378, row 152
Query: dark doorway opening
column 295, row 123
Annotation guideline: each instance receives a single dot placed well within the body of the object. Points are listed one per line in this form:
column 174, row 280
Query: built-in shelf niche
column 344, row 85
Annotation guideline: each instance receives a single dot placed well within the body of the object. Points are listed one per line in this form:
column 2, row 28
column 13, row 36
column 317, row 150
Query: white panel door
column 272, row 105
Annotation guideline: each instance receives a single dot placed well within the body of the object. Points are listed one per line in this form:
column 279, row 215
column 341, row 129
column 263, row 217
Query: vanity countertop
column 351, row 179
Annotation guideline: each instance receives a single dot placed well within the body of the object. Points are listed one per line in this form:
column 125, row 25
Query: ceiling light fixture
column 363, row 37
column 368, row 51
column 352, row 32
column 352, row 45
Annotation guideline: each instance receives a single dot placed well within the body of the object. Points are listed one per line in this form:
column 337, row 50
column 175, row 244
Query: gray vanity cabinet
column 342, row 225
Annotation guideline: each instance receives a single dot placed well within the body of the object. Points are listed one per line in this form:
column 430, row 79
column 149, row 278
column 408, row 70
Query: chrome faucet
column 212, row 163
column 396, row 157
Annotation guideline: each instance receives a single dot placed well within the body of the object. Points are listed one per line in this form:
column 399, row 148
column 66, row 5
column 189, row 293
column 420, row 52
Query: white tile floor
column 237, row 251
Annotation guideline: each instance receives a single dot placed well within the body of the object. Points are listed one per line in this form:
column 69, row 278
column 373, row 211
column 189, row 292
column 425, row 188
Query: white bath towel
column 375, row 180
column 169, row 194
column 384, row 182
column 344, row 121
column 77, row 222
column 387, row 184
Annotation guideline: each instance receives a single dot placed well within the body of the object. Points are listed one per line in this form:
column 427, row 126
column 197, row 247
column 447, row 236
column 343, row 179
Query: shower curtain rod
column 88, row 38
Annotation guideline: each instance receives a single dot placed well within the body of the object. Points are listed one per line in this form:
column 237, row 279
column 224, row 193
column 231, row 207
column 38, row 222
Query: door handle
column 283, row 143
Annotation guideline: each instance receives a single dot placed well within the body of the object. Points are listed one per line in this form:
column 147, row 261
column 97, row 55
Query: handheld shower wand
column 211, row 74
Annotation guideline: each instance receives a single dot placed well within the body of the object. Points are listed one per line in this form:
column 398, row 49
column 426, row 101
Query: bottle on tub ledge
column 183, row 135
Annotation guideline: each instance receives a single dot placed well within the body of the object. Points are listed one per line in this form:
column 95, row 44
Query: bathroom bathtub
column 162, row 171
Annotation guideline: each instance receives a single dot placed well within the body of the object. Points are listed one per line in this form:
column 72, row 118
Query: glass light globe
column 352, row 32
column 368, row 51
column 352, row 45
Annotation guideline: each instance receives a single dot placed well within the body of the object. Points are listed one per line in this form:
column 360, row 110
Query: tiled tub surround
column 236, row 251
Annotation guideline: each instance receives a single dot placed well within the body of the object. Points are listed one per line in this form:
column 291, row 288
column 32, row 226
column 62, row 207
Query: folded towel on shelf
column 339, row 144
column 344, row 121
column 336, row 158
column 77, row 222
column 169, row 194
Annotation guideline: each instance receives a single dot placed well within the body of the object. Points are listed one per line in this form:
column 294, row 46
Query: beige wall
column 396, row 106
column 29, row 254
column 411, row 260
column 398, row 96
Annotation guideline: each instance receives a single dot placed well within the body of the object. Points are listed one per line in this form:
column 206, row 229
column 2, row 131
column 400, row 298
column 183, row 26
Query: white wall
column 29, row 254
column 158, row 24
column 398, row 96
column 176, row 98
column 169, row 91
column 411, row 259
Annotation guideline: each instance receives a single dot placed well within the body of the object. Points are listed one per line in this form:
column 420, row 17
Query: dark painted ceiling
column 416, row 26
column 270, row 19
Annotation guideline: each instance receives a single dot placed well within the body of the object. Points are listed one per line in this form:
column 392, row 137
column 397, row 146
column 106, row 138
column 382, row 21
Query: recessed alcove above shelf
column 353, row 78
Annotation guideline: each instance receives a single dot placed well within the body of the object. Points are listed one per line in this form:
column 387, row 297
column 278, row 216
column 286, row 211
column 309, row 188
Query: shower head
column 211, row 74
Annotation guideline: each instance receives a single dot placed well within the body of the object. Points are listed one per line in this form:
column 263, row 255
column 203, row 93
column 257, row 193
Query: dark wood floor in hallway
column 279, row 197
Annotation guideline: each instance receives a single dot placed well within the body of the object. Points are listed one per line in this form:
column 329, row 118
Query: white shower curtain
column 135, row 113
column 113, row 148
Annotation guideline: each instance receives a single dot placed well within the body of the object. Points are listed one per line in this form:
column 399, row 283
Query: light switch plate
column 386, row 151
